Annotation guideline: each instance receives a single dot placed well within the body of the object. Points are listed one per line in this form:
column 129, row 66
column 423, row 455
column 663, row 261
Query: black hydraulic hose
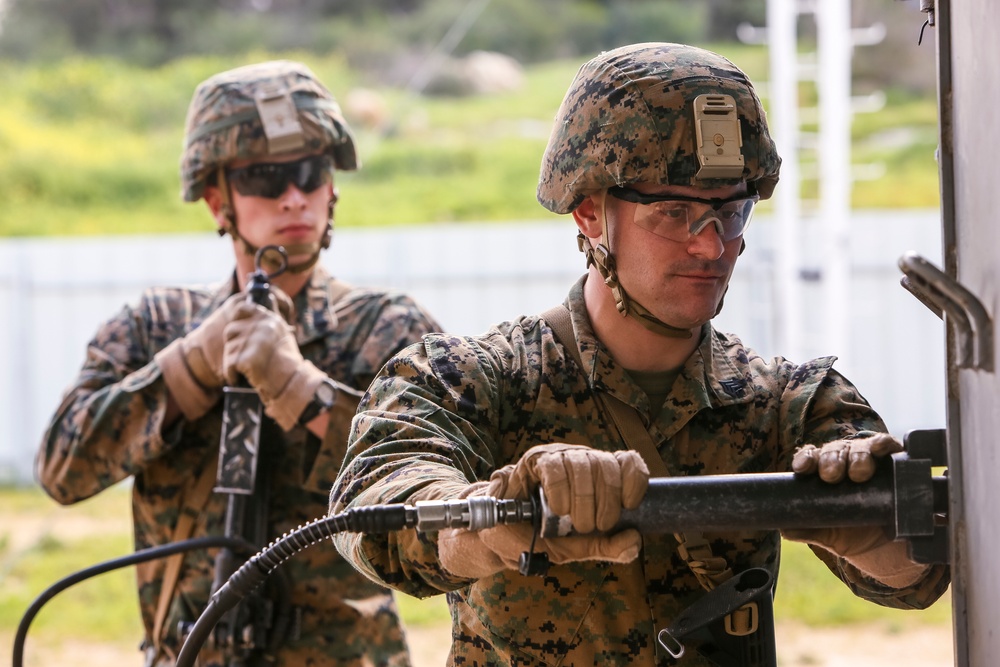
column 140, row 556
column 377, row 519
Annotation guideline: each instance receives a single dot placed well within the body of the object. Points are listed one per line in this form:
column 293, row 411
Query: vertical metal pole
column 783, row 121
column 958, row 522
column 833, row 19
column 946, row 173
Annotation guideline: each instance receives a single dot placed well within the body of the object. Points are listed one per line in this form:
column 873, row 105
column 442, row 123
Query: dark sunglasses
column 271, row 179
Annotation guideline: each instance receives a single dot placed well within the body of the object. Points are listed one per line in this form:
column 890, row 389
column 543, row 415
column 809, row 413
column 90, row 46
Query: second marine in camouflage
column 262, row 144
column 660, row 152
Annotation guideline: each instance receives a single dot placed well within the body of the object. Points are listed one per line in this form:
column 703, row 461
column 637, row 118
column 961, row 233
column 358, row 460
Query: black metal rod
column 763, row 501
column 758, row 501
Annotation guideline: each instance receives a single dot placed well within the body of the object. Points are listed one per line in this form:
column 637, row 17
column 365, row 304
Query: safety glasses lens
column 680, row 220
column 271, row 179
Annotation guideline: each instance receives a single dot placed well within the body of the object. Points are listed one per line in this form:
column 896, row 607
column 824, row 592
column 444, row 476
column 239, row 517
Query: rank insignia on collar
column 733, row 387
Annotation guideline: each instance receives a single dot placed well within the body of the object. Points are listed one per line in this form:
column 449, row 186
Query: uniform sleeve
column 108, row 425
column 428, row 424
column 821, row 406
column 396, row 323
column 400, row 323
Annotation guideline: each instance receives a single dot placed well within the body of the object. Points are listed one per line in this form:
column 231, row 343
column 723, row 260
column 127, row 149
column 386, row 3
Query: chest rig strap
column 694, row 549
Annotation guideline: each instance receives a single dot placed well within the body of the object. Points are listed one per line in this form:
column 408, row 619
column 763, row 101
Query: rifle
column 254, row 624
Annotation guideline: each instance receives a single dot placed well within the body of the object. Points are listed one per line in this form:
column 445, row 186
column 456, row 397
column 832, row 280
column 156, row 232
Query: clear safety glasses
column 680, row 218
column 271, row 179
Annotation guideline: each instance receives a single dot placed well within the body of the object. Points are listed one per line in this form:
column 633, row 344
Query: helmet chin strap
column 293, row 250
column 601, row 257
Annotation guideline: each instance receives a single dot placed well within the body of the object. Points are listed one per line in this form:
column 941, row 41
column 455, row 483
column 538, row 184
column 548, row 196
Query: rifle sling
column 194, row 503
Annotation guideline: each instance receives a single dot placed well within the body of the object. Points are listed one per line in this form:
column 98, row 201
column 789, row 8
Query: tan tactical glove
column 261, row 347
column 840, row 459
column 867, row 548
column 192, row 365
column 588, row 485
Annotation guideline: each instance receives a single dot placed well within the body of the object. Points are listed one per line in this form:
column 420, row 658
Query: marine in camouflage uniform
column 453, row 417
column 146, row 405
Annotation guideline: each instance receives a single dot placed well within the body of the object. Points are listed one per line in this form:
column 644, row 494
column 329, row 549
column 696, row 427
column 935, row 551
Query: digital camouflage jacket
column 108, row 428
column 450, row 410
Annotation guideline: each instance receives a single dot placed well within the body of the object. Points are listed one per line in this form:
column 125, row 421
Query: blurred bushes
column 371, row 34
column 92, row 146
column 382, row 38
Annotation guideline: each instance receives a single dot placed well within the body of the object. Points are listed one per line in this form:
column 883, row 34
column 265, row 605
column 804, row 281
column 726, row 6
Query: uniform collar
column 223, row 291
column 315, row 316
column 715, row 375
column 314, row 308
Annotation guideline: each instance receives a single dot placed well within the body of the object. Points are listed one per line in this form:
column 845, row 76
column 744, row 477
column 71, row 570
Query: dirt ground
column 798, row 646
column 864, row 646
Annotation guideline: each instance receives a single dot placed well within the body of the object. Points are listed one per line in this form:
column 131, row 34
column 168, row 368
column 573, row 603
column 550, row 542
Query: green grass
column 91, row 146
column 809, row 593
column 427, row 612
column 105, row 608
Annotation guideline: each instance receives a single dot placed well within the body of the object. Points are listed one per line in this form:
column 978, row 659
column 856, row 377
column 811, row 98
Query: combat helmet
column 629, row 117
column 256, row 111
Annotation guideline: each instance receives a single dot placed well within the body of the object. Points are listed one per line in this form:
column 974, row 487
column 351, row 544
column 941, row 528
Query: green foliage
column 427, row 612
column 683, row 21
column 153, row 32
column 103, row 609
column 455, row 180
column 91, row 146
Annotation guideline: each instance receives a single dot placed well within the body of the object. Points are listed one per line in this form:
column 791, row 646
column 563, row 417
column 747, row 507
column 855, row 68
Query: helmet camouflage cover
column 629, row 117
column 224, row 121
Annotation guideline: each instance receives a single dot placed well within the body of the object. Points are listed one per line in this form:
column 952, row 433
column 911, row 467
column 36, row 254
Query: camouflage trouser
column 375, row 639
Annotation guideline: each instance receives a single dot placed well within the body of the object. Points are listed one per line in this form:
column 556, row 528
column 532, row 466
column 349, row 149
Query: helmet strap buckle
column 327, row 239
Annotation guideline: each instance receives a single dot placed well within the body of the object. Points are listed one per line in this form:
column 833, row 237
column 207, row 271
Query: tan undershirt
column 656, row 384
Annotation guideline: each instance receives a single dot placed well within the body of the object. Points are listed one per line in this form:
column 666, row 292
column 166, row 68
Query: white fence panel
column 56, row 292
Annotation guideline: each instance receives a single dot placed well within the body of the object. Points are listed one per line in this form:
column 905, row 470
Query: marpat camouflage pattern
column 627, row 118
column 223, row 122
column 450, row 410
column 108, row 428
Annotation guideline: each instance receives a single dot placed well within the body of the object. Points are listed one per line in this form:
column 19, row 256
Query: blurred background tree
column 155, row 31
column 370, row 34
column 98, row 88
